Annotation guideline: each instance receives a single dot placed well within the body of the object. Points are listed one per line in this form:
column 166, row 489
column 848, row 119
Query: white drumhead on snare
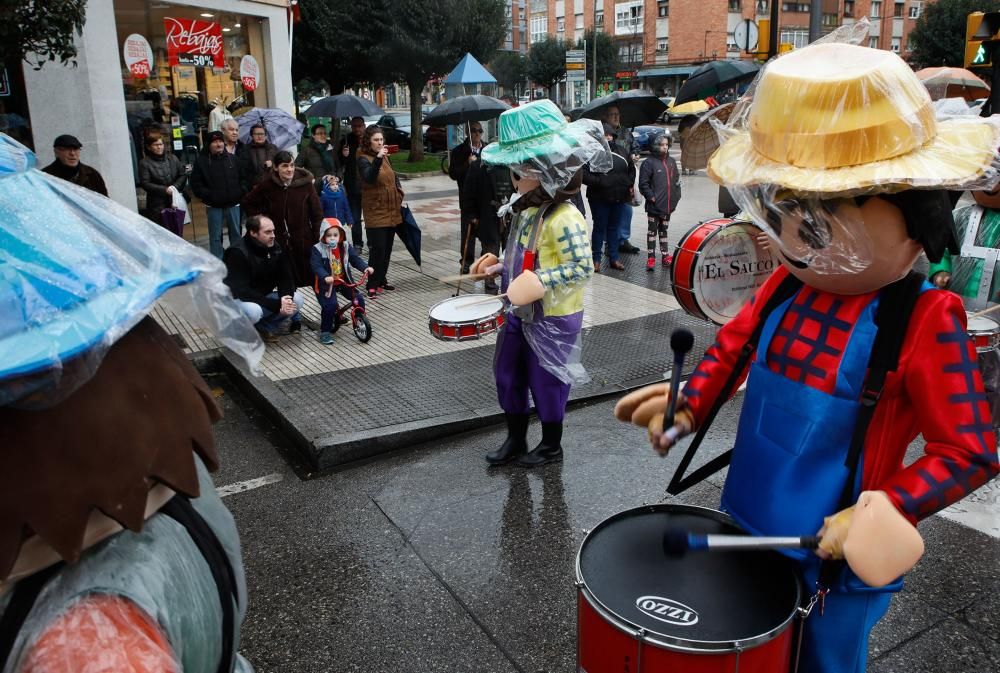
column 467, row 308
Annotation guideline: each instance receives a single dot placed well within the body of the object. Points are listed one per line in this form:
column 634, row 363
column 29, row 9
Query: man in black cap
column 217, row 180
column 69, row 167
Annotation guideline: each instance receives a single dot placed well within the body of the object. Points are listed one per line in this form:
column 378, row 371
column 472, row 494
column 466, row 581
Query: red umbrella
column 946, row 82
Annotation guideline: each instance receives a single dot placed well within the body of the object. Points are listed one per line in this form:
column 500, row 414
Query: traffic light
column 976, row 54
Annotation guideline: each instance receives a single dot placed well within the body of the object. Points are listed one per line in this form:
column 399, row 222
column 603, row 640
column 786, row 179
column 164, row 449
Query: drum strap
column 679, row 483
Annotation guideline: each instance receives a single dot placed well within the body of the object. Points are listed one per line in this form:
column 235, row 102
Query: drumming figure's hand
column 329, row 280
column 941, row 279
column 369, row 270
column 646, row 408
column 524, row 289
column 493, row 270
column 764, row 241
column 480, row 265
column 834, row 533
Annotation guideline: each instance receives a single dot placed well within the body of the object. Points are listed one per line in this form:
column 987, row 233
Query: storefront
column 176, row 65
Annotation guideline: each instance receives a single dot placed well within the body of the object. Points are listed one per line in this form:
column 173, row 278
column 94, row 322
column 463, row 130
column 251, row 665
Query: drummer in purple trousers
column 548, row 260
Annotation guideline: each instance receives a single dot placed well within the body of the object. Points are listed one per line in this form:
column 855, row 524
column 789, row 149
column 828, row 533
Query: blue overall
column 787, row 473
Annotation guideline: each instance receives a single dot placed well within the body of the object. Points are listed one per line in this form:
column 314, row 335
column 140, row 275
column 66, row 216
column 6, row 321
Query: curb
column 423, row 174
column 326, row 452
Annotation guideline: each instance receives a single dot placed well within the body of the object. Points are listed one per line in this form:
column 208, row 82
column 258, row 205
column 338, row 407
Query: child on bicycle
column 331, row 261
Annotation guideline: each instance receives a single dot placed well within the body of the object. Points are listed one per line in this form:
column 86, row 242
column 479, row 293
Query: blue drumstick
column 679, row 542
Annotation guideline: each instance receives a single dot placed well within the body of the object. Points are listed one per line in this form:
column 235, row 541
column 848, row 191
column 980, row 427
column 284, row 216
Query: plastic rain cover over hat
column 832, row 121
column 536, row 141
column 78, row 271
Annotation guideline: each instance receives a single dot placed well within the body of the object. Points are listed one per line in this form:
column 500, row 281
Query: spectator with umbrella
column 281, row 129
column 715, row 77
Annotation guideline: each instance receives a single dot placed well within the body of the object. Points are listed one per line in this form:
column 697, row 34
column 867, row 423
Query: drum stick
column 483, row 300
column 985, row 311
column 681, row 341
column 463, row 276
column 678, row 542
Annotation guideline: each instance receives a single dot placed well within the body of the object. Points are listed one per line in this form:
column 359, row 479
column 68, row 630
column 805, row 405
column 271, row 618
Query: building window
column 848, row 7
column 897, row 11
column 798, row 38
column 561, row 24
column 876, row 9
column 762, row 6
column 873, row 42
column 539, row 28
column 830, row 20
column 915, row 10
column 628, row 17
column 599, row 17
column 579, row 21
column 734, row 7
column 795, row 7
column 662, row 44
column 895, row 45
column 539, row 6
column 662, row 8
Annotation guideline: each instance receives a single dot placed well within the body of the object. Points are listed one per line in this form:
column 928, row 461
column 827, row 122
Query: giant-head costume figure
column 839, row 157
column 115, row 551
column 547, row 261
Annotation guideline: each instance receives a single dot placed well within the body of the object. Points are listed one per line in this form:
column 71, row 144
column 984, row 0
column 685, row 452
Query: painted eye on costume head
column 815, row 231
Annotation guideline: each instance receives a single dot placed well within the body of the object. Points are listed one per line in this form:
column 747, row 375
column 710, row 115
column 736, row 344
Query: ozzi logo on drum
column 667, row 610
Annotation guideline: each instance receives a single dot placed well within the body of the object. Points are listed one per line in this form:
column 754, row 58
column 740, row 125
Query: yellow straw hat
column 838, row 119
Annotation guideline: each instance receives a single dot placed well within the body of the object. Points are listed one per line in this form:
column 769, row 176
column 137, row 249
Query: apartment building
column 654, row 56
column 516, row 16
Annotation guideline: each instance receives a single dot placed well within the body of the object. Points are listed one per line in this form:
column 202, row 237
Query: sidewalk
column 405, row 386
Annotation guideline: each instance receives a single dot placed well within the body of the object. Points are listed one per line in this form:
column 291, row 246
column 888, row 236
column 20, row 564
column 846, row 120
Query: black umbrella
column 343, row 105
column 473, row 108
column 714, row 76
column 409, row 233
column 637, row 107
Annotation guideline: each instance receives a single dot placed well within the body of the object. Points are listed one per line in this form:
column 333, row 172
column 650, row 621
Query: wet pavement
column 428, row 560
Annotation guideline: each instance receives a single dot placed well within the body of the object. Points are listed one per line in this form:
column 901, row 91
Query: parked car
column 643, row 135
column 396, row 129
column 669, row 102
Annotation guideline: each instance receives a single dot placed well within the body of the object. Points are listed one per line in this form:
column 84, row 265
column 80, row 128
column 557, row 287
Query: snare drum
column 985, row 334
column 718, row 265
column 471, row 316
column 706, row 612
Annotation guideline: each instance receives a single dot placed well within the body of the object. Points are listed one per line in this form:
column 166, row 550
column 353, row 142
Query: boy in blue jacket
column 333, row 198
column 331, row 261
column 660, row 184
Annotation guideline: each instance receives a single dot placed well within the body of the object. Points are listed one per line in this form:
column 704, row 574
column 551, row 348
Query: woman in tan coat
column 381, row 199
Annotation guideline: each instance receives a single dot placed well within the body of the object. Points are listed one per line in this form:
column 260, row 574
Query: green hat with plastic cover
column 537, row 139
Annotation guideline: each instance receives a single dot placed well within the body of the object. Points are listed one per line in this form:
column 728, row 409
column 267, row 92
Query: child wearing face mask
column 659, row 182
column 331, row 261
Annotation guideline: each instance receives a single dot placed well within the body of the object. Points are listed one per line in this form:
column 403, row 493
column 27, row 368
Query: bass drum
column 718, row 265
column 640, row 610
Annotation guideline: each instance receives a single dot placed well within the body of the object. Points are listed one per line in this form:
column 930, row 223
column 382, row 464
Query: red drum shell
column 737, row 273
column 746, row 612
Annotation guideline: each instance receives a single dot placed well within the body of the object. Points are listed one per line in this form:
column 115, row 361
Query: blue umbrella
column 282, row 129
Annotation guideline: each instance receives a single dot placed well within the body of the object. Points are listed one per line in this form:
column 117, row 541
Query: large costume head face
column 840, row 159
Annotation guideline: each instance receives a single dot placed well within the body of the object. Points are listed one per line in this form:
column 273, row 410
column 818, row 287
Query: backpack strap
column 680, row 483
column 180, row 509
column 896, row 304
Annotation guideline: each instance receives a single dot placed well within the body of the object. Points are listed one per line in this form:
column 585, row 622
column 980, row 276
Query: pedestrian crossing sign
column 980, row 57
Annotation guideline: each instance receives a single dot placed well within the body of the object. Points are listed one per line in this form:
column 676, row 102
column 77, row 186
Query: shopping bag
column 172, row 219
column 180, row 203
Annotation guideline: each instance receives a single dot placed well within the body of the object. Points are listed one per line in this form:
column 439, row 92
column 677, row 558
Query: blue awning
column 667, row 70
column 469, row 71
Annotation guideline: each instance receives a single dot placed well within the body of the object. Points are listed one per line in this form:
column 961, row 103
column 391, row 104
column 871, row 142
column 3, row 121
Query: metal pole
column 815, row 19
column 772, row 49
column 994, row 101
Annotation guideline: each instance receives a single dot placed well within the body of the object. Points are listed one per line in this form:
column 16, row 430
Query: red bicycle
column 359, row 318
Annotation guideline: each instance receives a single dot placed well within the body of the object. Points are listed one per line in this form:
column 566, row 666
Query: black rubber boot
column 516, row 443
column 549, row 450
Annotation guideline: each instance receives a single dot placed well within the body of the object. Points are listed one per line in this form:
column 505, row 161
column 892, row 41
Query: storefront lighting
column 226, row 30
column 207, row 15
column 236, row 25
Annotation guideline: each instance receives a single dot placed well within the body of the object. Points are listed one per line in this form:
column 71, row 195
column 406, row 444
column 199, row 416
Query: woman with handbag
column 381, row 200
column 161, row 175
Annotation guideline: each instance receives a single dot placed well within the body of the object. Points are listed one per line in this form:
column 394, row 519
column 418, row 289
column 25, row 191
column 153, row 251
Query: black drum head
column 704, row 599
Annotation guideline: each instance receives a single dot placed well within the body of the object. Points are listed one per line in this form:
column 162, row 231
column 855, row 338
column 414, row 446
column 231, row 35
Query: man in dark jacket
column 69, row 167
column 216, row 180
column 660, row 184
column 462, row 157
column 486, row 189
column 608, row 193
column 259, row 275
column 349, row 167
